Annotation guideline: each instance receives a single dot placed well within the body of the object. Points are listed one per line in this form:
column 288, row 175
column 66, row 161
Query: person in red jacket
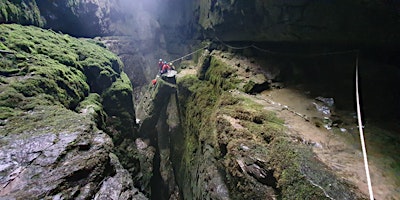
column 165, row 68
column 154, row 81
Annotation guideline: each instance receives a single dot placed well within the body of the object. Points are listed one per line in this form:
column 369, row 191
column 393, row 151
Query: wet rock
column 322, row 108
column 326, row 100
column 67, row 163
column 277, row 85
column 256, row 84
column 146, row 155
column 119, row 186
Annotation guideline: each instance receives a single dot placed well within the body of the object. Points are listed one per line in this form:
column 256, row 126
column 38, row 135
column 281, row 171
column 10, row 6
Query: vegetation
column 22, row 12
column 63, row 67
column 50, row 69
column 221, row 75
column 47, row 78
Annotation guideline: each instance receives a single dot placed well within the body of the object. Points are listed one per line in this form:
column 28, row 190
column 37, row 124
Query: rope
column 360, row 128
column 267, row 51
column 186, row 55
column 287, row 54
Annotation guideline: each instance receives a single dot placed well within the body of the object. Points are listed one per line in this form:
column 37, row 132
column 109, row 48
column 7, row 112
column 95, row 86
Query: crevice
column 223, row 149
column 258, row 88
column 158, row 188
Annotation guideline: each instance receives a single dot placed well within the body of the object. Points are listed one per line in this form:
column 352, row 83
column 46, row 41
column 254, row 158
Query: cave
column 262, row 103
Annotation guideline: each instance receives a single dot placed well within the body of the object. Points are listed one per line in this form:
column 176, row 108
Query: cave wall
column 330, row 21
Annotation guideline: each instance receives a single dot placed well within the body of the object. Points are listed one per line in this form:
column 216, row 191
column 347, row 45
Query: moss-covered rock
column 235, row 149
column 92, row 105
column 22, row 12
column 67, row 68
column 51, row 108
column 118, row 103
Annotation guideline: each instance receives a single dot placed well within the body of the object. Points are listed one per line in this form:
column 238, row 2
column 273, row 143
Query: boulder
column 54, row 118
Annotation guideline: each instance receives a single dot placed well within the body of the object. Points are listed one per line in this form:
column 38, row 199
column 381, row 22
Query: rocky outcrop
column 234, row 148
column 306, row 21
column 87, row 18
column 55, row 118
column 64, row 156
column 158, row 112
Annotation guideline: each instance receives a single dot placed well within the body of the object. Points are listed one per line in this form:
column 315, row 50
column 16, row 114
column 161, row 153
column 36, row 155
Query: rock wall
column 160, row 121
column 84, row 18
column 305, row 21
column 233, row 148
column 58, row 128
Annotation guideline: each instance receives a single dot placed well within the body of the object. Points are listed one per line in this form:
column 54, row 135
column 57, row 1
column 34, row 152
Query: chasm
column 259, row 101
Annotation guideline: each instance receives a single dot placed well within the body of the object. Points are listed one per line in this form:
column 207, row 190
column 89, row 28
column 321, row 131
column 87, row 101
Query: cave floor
column 339, row 148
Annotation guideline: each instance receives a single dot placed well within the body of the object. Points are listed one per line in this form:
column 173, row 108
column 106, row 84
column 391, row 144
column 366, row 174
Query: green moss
column 59, row 65
column 118, row 102
column 10, row 97
column 44, row 119
column 197, row 99
column 220, row 74
column 248, row 86
column 51, row 77
column 6, row 112
column 92, row 103
column 22, row 12
column 54, row 69
column 2, row 46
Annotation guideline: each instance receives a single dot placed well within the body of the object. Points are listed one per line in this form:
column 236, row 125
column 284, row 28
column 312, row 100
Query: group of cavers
column 163, row 68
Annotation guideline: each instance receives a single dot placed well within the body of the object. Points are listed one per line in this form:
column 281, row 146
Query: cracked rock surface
column 75, row 162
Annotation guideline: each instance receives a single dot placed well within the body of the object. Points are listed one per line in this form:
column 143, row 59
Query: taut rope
column 360, row 128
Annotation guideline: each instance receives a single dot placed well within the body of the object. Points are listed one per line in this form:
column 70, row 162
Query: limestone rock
column 68, row 162
column 368, row 22
column 119, row 186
